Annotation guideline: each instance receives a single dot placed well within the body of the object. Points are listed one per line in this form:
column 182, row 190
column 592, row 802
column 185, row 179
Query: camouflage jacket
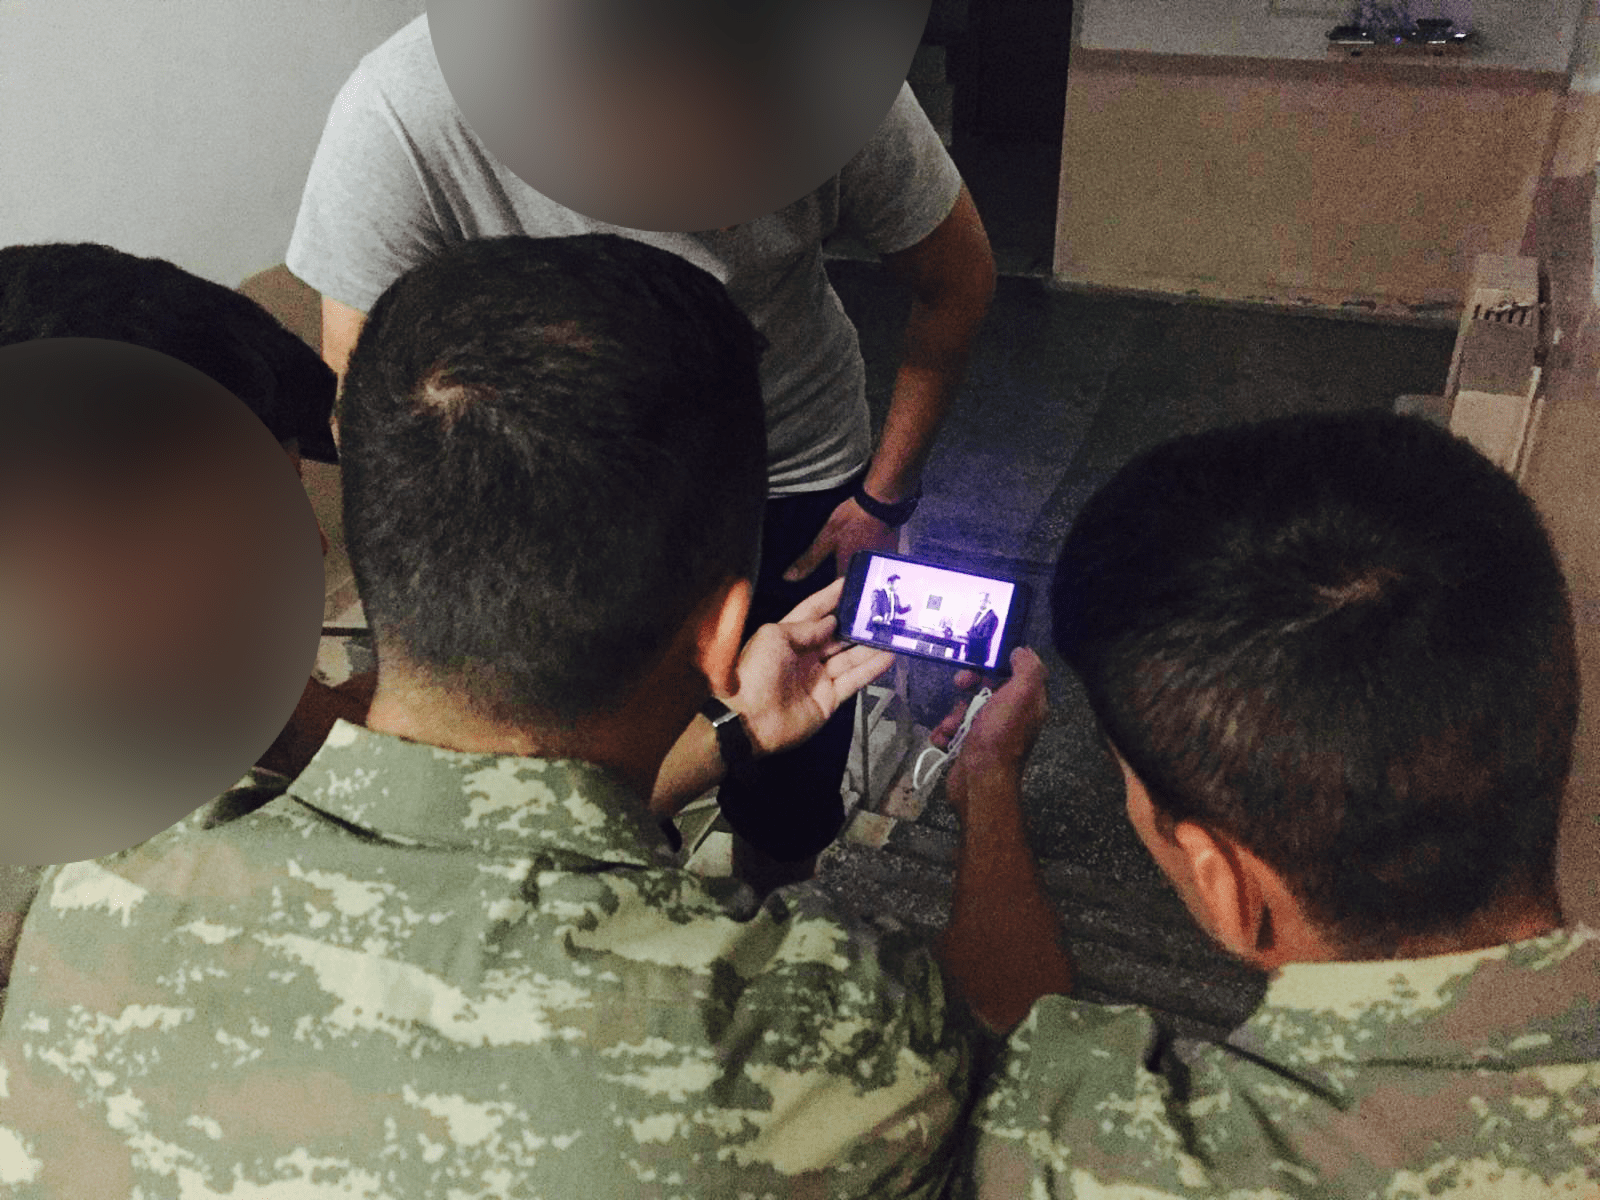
column 417, row 973
column 1472, row 1074
column 18, row 884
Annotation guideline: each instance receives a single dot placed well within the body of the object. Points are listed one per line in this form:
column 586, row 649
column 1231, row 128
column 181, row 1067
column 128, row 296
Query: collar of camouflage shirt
column 1451, row 1011
column 407, row 791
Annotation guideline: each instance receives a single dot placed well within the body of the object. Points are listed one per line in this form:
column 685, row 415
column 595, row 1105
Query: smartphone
column 927, row 610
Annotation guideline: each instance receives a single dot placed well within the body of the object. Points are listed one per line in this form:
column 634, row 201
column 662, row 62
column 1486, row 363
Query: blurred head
column 686, row 115
column 554, row 451
column 84, row 477
column 1339, row 646
column 159, row 586
column 85, row 290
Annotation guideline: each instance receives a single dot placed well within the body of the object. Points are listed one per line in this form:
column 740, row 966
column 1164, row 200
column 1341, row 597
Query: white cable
column 918, row 782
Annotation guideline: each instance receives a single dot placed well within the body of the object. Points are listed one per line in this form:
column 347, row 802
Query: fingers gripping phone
column 922, row 609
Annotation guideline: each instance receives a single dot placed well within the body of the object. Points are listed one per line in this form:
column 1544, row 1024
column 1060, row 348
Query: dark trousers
column 792, row 809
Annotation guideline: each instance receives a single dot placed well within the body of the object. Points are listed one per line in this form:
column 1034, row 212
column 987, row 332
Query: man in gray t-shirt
column 399, row 175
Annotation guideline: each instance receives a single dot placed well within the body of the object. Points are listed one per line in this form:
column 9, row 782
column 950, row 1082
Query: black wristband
column 892, row 515
column 738, row 752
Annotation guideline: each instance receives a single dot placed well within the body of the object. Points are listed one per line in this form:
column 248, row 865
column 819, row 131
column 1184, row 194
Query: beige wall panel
column 1563, row 480
column 1336, row 184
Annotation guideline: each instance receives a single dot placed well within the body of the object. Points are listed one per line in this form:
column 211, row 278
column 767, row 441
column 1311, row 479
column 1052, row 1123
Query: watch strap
column 733, row 741
column 892, row 515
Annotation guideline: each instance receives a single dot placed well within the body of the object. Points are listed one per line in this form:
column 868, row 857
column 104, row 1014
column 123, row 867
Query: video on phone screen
column 932, row 610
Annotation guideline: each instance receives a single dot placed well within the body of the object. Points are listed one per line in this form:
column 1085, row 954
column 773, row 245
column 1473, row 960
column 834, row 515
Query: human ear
column 720, row 636
column 1231, row 902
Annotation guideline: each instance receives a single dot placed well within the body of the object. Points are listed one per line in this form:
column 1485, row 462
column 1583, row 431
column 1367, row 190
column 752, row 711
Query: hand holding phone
column 944, row 733
column 794, row 675
column 932, row 761
column 1004, row 731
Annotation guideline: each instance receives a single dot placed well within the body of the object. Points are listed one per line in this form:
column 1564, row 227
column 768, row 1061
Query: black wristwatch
column 892, row 515
column 738, row 752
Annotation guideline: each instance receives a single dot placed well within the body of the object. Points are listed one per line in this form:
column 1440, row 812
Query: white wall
column 1532, row 35
column 177, row 128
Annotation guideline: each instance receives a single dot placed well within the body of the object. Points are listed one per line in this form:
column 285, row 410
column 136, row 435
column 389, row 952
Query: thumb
column 810, row 560
column 810, row 635
column 1027, row 667
column 945, row 731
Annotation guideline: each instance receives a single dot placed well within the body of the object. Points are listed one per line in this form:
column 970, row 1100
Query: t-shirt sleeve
column 368, row 213
column 902, row 184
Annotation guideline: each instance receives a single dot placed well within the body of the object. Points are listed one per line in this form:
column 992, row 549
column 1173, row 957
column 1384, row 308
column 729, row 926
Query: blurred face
column 679, row 115
column 672, row 112
column 160, row 594
column 116, row 579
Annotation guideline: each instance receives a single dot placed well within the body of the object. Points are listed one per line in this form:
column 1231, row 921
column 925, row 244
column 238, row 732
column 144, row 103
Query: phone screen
column 916, row 607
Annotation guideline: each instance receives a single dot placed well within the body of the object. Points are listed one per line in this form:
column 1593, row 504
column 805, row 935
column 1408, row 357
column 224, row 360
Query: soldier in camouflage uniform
column 454, row 956
column 84, row 290
column 1334, row 657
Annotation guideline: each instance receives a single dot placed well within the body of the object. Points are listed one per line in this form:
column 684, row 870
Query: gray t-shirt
column 399, row 175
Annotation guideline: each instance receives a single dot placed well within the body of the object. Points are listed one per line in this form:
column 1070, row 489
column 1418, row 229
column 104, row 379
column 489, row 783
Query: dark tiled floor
column 1063, row 389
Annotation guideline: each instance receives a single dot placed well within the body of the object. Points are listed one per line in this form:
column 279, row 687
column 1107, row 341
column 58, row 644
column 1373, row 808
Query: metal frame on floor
column 880, row 700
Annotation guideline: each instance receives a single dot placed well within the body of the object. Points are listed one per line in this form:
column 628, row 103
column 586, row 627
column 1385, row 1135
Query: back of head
column 84, row 290
column 554, row 449
column 1345, row 641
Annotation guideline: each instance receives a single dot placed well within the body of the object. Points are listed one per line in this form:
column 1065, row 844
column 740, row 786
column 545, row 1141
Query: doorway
column 1006, row 62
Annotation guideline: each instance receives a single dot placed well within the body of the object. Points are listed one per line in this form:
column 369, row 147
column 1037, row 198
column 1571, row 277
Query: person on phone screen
column 886, row 609
column 982, row 632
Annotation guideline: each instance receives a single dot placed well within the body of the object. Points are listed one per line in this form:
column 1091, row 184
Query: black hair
column 554, row 451
column 85, row 290
column 892, row 578
column 1346, row 642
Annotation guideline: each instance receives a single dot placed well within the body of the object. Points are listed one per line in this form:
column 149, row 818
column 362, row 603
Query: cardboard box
column 1494, row 374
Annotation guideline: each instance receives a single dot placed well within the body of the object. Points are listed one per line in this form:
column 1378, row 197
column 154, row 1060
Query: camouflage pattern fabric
column 18, row 885
column 1460, row 1075
column 418, row 973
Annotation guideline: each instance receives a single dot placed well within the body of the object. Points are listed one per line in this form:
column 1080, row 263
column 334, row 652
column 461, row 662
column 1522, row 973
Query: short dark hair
column 554, row 450
column 86, row 290
column 1345, row 641
column 892, row 578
